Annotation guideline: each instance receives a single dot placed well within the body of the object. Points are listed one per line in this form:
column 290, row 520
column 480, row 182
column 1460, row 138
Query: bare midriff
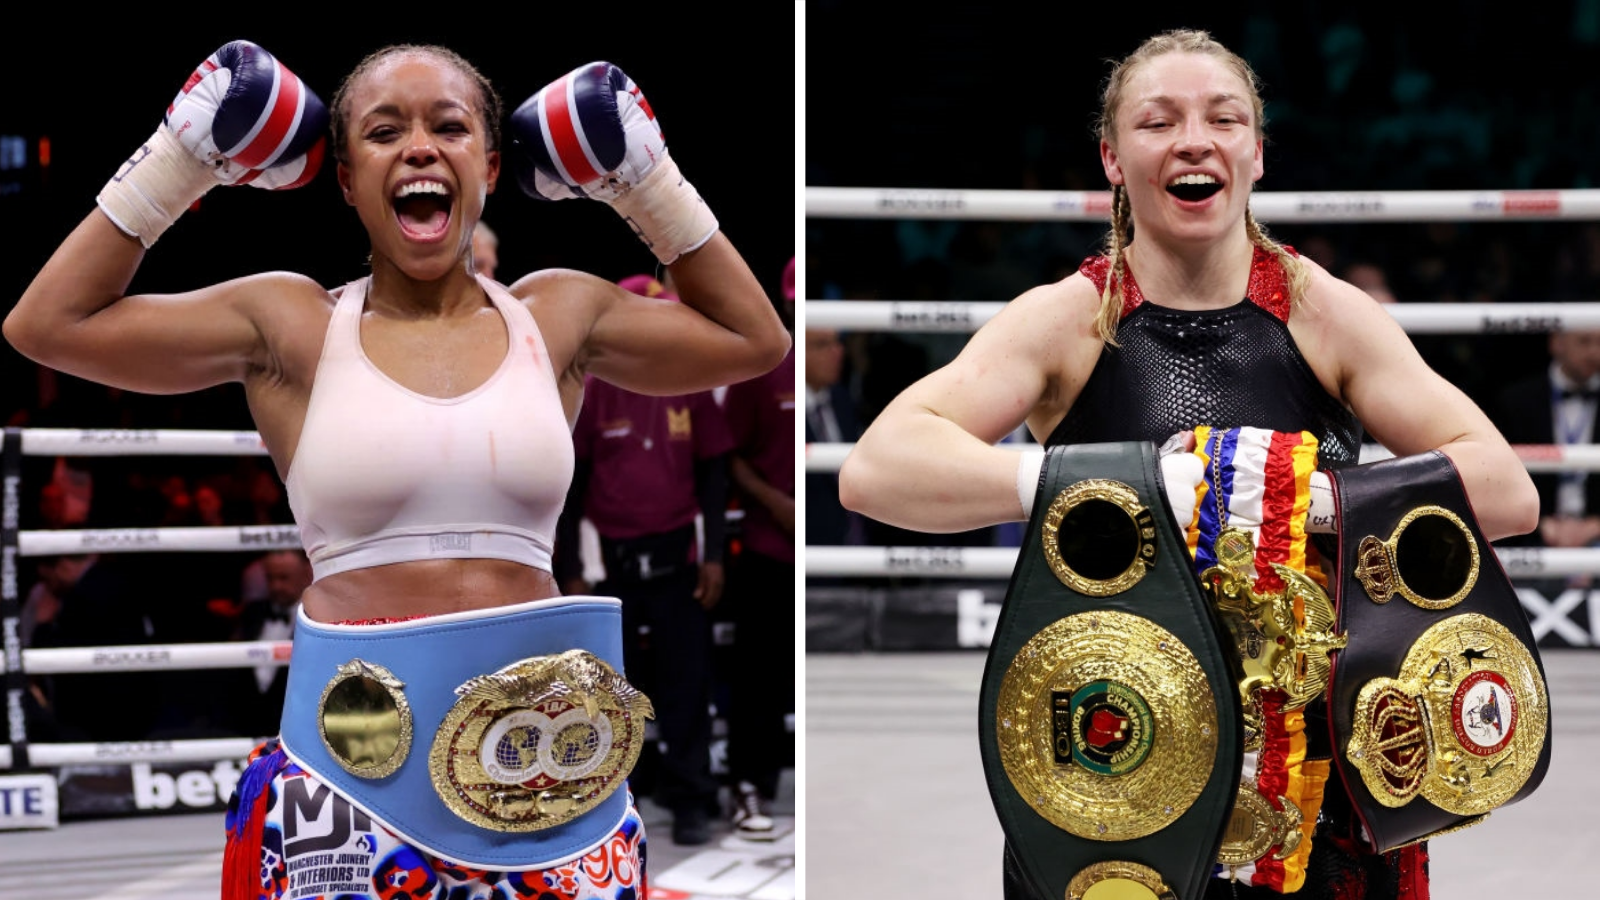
column 425, row 588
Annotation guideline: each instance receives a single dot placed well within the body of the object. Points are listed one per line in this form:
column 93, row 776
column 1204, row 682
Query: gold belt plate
column 1106, row 725
column 1463, row 724
column 538, row 743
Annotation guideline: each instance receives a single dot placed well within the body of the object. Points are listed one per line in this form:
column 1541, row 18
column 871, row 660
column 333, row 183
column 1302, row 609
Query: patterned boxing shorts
column 315, row 845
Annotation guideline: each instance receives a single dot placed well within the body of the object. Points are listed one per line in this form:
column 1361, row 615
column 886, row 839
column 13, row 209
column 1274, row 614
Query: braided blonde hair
column 1118, row 238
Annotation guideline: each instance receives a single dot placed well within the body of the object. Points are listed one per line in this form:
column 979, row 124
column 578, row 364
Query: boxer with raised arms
column 453, row 722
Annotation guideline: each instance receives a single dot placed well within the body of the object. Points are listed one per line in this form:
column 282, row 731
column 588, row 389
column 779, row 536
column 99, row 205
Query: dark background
column 1360, row 97
column 98, row 83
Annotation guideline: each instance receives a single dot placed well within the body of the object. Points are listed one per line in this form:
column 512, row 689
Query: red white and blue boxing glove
column 241, row 118
column 591, row 133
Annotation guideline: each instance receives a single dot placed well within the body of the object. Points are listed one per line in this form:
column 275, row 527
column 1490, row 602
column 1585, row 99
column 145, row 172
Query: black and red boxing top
column 1176, row 369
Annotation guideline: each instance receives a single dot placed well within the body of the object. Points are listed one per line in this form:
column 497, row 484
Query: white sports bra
column 384, row 475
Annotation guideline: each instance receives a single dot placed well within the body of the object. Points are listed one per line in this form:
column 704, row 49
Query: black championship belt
column 1438, row 703
column 1109, row 720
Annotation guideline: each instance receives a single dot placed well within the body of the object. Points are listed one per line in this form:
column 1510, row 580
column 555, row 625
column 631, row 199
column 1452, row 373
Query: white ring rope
column 155, row 657
column 139, row 442
column 1537, row 458
column 194, row 750
column 72, row 442
column 206, row 539
column 1268, row 206
column 998, row 562
column 965, row 316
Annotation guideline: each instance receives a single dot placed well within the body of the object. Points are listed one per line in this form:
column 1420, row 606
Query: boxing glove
column 591, row 133
column 241, row 118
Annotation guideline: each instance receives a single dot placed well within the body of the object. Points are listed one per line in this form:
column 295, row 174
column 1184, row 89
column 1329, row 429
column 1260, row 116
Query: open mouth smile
column 1194, row 187
column 422, row 207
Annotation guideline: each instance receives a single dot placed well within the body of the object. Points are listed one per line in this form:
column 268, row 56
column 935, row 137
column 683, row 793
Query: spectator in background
column 1370, row 277
column 64, row 502
column 485, row 249
column 259, row 693
column 264, row 504
column 67, row 498
column 830, row 419
column 1558, row 406
column 761, row 578
column 99, row 606
column 647, row 469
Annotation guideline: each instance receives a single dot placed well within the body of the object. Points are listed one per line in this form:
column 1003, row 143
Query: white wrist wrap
column 666, row 212
column 1320, row 518
column 1028, row 479
column 154, row 187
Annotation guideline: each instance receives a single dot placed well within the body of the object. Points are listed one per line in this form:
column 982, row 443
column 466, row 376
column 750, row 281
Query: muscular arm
column 75, row 318
column 929, row 461
column 726, row 330
column 1408, row 407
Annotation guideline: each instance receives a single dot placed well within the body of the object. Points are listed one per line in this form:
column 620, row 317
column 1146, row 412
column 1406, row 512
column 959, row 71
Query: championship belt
column 1109, row 720
column 1439, row 707
column 1253, row 556
column 497, row 739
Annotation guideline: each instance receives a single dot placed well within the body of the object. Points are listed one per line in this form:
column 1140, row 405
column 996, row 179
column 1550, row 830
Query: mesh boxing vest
column 1176, row 369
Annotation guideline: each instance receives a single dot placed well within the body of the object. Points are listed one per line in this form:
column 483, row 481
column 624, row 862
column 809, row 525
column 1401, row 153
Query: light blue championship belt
column 527, row 729
column 1109, row 716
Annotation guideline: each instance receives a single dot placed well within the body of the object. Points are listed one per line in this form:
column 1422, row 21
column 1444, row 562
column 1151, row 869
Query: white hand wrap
column 1181, row 473
column 1321, row 518
column 666, row 212
column 154, row 187
column 1028, row 466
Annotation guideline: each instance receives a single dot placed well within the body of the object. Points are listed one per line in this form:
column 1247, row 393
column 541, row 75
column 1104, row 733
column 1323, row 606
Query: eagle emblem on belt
column 576, row 676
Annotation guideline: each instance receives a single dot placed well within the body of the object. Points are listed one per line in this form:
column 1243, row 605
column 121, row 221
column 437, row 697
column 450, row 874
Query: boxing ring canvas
column 896, row 796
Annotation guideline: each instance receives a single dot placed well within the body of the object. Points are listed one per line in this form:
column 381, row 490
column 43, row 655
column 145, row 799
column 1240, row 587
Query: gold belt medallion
column 1098, row 538
column 364, row 719
column 1431, row 559
column 1463, row 724
column 1118, row 879
column 1257, row 825
column 538, row 743
column 1106, row 725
